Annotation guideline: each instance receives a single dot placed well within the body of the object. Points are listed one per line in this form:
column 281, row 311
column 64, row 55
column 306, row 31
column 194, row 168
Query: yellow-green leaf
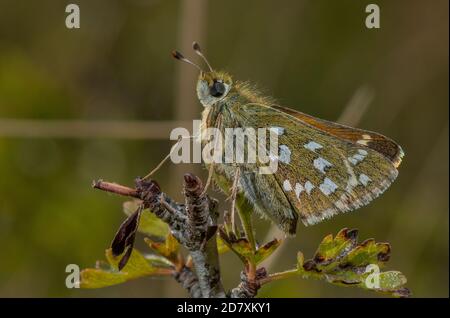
column 342, row 261
column 137, row 266
column 266, row 250
column 149, row 223
column 244, row 250
column 221, row 246
column 168, row 249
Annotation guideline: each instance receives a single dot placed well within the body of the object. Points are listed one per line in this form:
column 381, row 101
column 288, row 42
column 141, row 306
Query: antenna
column 197, row 50
column 180, row 57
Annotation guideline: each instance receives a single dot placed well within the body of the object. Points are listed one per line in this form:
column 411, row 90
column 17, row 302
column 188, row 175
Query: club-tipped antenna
column 197, row 50
column 180, row 57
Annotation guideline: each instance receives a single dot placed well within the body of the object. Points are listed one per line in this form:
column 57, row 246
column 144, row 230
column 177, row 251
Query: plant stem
column 115, row 188
column 278, row 276
column 201, row 217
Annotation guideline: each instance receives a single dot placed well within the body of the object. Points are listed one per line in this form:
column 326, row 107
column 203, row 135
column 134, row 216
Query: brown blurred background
column 99, row 102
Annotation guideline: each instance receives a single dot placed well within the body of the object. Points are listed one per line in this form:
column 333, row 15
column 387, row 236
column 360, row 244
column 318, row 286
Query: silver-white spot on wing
column 285, row 154
column 362, row 152
column 328, row 187
column 313, row 146
column 347, row 202
column 358, row 157
column 321, row 164
column 298, row 189
column 287, row 185
column 364, row 179
column 309, row 187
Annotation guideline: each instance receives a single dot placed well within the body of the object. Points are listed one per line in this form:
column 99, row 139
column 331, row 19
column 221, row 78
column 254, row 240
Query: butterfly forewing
column 370, row 139
column 320, row 172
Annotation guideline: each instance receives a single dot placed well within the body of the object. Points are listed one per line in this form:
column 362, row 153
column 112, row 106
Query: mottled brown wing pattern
column 319, row 172
column 372, row 140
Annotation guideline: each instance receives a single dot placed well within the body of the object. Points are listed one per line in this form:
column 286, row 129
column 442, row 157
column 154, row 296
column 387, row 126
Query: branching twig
column 115, row 188
column 193, row 224
column 248, row 288
column 189, row 281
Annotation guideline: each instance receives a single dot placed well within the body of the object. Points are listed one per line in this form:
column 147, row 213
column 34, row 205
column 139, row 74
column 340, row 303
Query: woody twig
column 193, row 224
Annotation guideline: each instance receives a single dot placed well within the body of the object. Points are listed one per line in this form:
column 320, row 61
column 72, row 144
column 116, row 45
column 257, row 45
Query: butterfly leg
column 233, row 197
column 211, row 167
column 208, row 181
column 174, row 147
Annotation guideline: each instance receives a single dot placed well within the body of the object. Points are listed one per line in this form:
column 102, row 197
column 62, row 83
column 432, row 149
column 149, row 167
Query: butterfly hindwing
column 320, row 173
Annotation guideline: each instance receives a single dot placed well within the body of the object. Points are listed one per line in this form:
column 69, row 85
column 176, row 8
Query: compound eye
column 217, row 89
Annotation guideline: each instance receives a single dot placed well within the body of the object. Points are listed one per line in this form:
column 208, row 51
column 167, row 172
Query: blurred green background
column 99, row 102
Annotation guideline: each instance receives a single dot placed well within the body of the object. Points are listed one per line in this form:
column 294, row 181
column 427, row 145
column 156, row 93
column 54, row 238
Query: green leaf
column 221, row 246
column 331, row 248
column 169, row 249
column 240, row 246
column 244, row 250
column 266, row 250
column 342, row 261
column 368, row 252
column 149, row 223
column 137, row 266
column 392, row 280
column 245, row 211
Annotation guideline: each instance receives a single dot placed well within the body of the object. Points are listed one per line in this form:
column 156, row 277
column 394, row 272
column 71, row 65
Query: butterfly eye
column 217, row 89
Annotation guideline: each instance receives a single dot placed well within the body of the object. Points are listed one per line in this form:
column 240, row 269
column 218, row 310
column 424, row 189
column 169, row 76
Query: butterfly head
column 212, row 86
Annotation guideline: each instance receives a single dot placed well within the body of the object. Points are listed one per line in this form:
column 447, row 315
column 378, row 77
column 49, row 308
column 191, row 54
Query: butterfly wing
column 323, row 168
column 375, row 141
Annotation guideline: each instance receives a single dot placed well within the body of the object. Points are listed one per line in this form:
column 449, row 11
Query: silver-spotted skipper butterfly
column 324, row 168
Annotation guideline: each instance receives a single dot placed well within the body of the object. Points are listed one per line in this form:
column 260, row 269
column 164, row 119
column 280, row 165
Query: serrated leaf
column 342, row 261
column 137, row 266
column 368, row 252
column 330, row 248
column 240, row 246
column 244, row 250
column 149, row 223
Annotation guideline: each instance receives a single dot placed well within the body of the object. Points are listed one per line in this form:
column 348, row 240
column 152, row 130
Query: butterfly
column 324, row 168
